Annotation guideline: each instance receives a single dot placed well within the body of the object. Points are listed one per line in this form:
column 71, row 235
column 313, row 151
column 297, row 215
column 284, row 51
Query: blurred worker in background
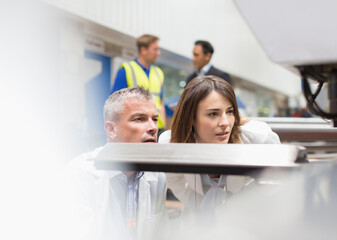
column 141, row 72
column 113, row 204
column 202, row 54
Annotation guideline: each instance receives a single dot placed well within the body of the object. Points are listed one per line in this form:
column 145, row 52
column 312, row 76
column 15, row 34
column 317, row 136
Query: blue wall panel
column 97, row 90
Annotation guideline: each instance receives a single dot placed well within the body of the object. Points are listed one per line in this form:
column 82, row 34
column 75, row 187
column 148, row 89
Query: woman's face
column 214, row 120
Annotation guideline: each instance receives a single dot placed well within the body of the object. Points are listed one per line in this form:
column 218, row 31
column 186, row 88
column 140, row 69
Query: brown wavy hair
column 186, row 111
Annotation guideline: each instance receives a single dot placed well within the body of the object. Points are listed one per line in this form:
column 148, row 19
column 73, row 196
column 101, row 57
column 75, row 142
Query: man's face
column 137, row 122
column 199, row 58
column 151, row 53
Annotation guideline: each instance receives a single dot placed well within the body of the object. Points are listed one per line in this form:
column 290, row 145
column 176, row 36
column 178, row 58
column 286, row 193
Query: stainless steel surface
column 299, row 123
column 318, row 146
column 207, row 158
column 302, row 129
column 295, row 120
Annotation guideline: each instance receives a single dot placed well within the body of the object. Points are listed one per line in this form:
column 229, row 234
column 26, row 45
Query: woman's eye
column 230, row 111
column 213, row 114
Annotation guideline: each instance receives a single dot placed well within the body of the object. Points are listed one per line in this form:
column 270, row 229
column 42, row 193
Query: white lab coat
column 188, row 187
column 96, row 209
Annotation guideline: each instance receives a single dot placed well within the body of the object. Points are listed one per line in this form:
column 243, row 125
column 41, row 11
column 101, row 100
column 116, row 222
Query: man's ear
column 208, row 56
column 142, row 50
column 111, row 129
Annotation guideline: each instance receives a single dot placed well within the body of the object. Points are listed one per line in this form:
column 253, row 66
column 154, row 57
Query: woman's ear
column 111, row 129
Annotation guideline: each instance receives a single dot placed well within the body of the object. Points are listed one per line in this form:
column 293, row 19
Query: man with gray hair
column 115, row 204
column 131, row 116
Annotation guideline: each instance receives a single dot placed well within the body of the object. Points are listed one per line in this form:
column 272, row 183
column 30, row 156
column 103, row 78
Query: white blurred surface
column 31, row 121
column 293, row 32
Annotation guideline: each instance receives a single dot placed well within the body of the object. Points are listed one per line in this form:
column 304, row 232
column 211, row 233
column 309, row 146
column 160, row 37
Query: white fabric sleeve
column 258, row 132
column 272, row 138
column 165, row 137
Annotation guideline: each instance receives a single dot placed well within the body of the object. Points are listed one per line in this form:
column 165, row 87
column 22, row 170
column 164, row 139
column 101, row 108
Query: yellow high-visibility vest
column 135, row 76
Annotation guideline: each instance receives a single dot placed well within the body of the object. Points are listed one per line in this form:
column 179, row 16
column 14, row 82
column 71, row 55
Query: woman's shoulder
column 255, row 126
column 165, row 137
column 255, row 131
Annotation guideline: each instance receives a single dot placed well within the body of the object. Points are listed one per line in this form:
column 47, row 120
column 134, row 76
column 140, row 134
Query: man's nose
column 152, row 126
column 224, row 120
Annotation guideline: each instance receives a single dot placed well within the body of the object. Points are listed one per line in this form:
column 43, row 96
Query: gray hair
column 114, row 104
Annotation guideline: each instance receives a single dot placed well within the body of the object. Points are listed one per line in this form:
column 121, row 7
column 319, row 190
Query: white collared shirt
column 204, row 70
column 103, row 199
column 127, row 191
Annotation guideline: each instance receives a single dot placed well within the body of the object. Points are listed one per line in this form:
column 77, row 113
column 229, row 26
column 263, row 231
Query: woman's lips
column 222, row 134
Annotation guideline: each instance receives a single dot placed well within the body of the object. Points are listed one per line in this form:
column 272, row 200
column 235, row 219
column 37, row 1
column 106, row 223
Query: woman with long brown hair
column 207, row 112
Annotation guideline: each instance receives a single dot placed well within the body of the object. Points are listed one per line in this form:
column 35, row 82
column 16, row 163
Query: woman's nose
column 224, row 121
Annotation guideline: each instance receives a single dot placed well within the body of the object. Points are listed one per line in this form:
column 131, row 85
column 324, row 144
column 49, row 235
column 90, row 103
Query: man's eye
column 137, row 119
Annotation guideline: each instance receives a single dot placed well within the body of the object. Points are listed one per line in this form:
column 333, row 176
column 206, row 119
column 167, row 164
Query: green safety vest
column 135, row 76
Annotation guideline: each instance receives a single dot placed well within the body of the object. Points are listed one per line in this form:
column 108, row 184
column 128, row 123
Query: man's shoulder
column 125, row 65
column 191, row 76
column 82, row 164
column 217, row 72
column 213, row 70
column 156, row 68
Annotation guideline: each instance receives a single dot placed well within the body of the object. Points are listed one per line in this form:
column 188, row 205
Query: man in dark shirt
column 202, row 54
